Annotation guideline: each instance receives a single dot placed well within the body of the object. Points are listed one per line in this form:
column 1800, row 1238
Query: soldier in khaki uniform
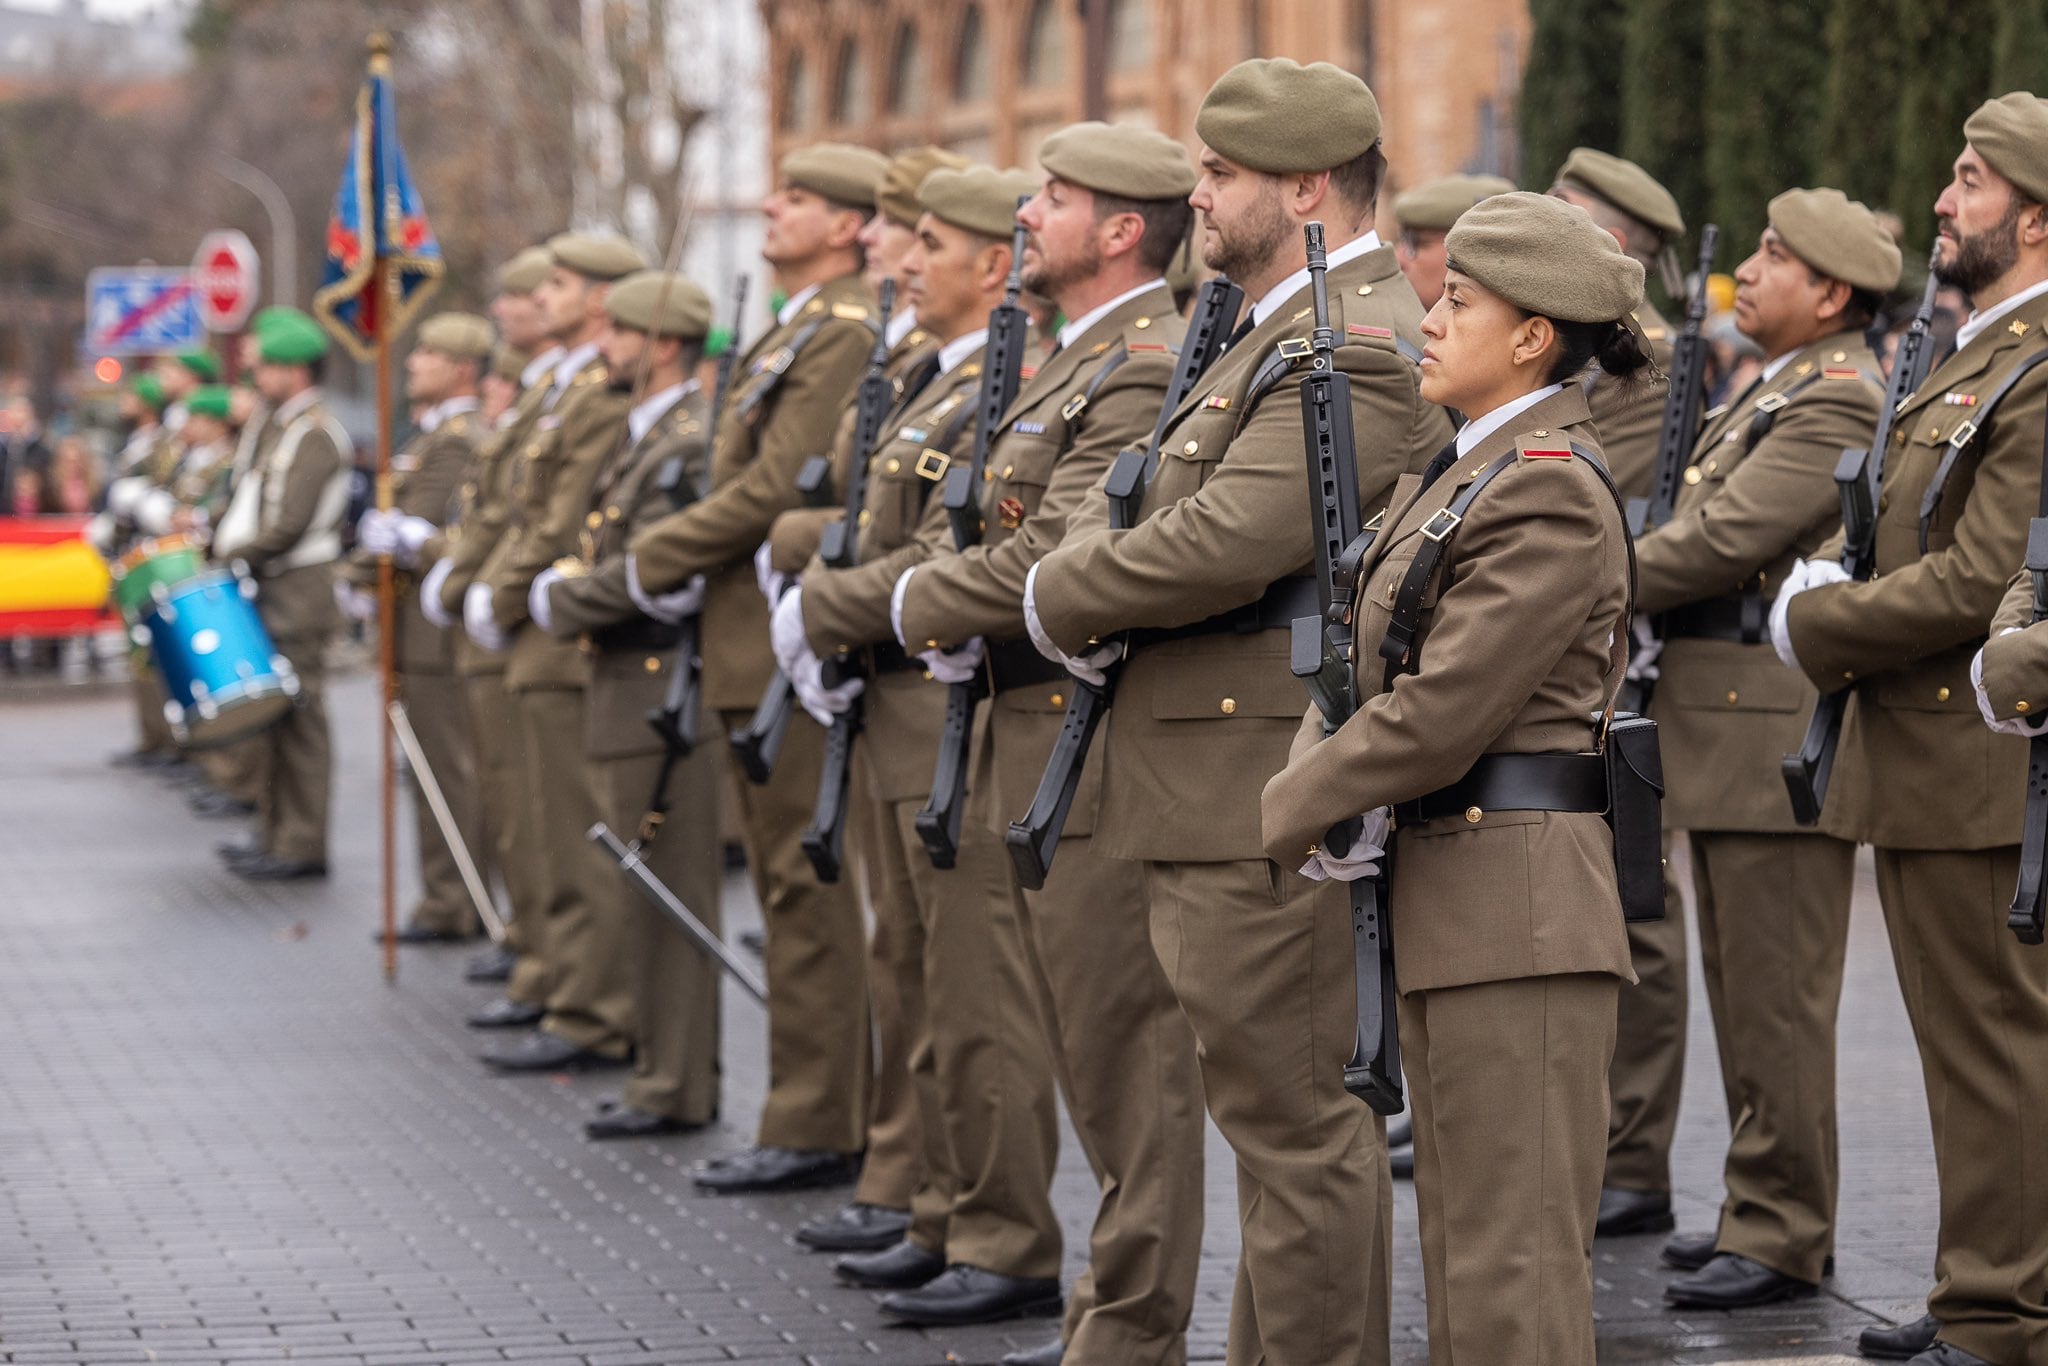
column 793, row 386
column 284, row 522
column 587, row 1020
column 1773, row 900
column 658, row 324
column 1918, row 777
column 142, row 406
column 1506, row 924
column 1423, row 215
column 440, row 374
column 1112, row 216
column 986, row 1102
column 1212, row 576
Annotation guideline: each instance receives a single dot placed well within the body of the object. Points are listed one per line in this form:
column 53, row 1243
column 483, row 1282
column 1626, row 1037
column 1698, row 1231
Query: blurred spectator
column 25, row 493
column 1733, row 360
column 73, row 485
column 21, row 440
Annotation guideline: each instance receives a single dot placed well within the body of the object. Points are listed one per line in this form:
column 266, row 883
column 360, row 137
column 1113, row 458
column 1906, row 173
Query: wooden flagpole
column 383, row 297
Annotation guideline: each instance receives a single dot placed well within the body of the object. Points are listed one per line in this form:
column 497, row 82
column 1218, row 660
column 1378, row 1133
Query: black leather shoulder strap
column 1963, row 439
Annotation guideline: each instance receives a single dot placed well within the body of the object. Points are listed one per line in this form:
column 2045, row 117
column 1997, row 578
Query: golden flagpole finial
column 380, row 53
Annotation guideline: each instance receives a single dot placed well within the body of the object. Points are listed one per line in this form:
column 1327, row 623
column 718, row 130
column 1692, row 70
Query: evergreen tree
column 1948, row 77
column 2019, row 47
column 1858, row 152
column 1571, row 92
column 1764, row 89
column 1663, row 105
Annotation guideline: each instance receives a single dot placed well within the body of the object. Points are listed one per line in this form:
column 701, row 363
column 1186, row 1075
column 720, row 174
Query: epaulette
column 1543, row 445
column 572, row 566
column 851, row 312
column 457, row 424
column 596, row 375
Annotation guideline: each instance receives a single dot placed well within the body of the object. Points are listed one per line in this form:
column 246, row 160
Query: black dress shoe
column 144, row 758
column 1625, row 1212
column 420, row 934
column 238, row 851
column 218, row 805
column 1400, row 1132
column 1051, row 1354
column 1730, row 1280
column 1947, row 1354
column 775, row 1169
column 541, row 1051
column 901, row 1266
column 968, row 1294
column 271, row 868
column 494, row 964
column 505, row 1013
column 624, row 1121
column 1401, row 1162
column 1900, row 1343
column 1689, row 1251
column 856, row 1227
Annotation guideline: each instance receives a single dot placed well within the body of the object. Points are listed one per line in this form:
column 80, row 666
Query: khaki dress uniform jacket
column 1630, row 415
column 1259, row 959
column 1507, row 927
column 793, row 387
column 1121, row 1049
column 1942, row 799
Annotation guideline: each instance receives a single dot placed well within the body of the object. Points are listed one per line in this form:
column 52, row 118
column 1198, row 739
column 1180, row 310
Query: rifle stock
column 758, row 744
column 2029, row 904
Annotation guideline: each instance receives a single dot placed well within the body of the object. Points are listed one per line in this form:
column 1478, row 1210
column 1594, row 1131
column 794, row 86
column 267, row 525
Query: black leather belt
column 641, row 633
column 1017, row 664
column 1517, row 782
column 1738, row 619
column 887, row 657
column 1275, row 610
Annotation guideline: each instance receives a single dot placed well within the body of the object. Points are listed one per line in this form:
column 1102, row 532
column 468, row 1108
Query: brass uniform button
column 1693, row 475
column 1841, row 355
column 864, row 517
column 1473, row 815
column 2020, row 705
column 1059, row 699
column 892, row 466
column 653, row 665
column 1364, row 289
column 1142, row 323
column 1713, row 467
column 611, row 514
column 1191, row 448
column 1009, row 470
column 1941, row 694
column 931, row 645
column 1732, row 697
column 593, row 521
column 1229, row 705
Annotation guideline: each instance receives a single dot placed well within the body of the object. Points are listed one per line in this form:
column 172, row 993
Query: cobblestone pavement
column 223, row 1138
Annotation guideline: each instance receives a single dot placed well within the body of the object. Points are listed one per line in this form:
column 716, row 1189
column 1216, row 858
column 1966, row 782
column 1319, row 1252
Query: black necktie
column 1244, row 329
column 1440, row 463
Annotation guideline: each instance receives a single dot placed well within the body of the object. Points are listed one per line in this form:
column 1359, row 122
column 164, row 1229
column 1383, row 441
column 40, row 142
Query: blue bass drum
column 225, row 678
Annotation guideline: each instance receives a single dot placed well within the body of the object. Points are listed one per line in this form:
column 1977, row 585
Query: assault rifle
column 938, row 821
column 2028, row 903
column 1860, row 477
column 721, row 383
column 1035, row 838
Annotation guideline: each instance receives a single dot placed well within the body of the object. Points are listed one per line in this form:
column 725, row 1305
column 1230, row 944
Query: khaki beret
column 840, row 171
column 1838, row 237
column 2011, row 134
column 1436, row 204
column 600, row 256
column 897, row 194
column 977, row 198
column 290, row 337
column 462, row 335
column 524, row 272
column 1626, row 186
column 509, row 362
column 1119, row 159
column 1546, row 256
column 660, row 302
column 1276, row 115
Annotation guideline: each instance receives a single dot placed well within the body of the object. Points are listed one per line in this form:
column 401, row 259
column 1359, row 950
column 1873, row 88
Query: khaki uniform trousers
column 1774, row 930
column 433, row 702
column 1508, row 1085
column 298, row 761
column 818, row 1050
column 1648, row 1071
column 590, row 993
column 505, row 778
column 1261, row 964
column 1125, row 1061
column 153, row 733
column 675, row 984
column 237, row 769
column 1978, row 1001
column 988, row 1081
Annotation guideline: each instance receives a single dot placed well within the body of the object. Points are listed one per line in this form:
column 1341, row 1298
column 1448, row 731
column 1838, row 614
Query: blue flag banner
column 377, row 216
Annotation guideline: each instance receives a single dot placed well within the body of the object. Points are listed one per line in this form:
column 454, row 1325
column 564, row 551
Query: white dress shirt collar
column 901, row 323
column 1078, row 328
column 650, row 410
column 1479, row 428
column 433, row 417
column 1974, row 326
column 1772, row 367
column 539, row 366
column 795, row 302
column 1270, row 301
column 956, row 351
column 566, row 368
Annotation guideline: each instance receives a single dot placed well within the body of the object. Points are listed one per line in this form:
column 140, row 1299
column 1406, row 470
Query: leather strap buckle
column 932, row 464
column 1963, row 435
column 1440, row 525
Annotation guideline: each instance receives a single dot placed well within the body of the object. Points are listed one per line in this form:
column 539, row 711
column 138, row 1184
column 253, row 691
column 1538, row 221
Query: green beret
column 1545, row 256
column 840, row 171
column 202, row 364
column 509, row 362
column 1626, row 186
column 265, row 317
column 2011, row 134
column 897, row 193
column 600, row 256
column 1120, row 159
column 1435, row 204
column 292, row 338
column 464, row 336
column 209, row 400
column 1277, row 116
column 149, row 389
column 660, row 303
column 524, row 272
column 717, row 341
column 977, row 198
column 1838, row 237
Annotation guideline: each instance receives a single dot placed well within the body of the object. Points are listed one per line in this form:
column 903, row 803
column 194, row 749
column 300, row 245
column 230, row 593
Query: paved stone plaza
column 223, row 1138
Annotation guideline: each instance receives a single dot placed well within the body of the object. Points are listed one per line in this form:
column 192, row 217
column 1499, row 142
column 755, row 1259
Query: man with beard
column 1919, row 777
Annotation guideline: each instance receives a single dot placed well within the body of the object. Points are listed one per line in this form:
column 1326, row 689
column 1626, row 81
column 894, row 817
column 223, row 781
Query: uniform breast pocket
column 1022, row 476
column 1375, row 607
column 1190, row 453
column 903, row 476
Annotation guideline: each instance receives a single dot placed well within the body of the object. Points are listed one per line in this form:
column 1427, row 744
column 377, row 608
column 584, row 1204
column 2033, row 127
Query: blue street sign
column 140, row 310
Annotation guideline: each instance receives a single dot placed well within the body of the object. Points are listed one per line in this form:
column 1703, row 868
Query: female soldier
column 1506, row 921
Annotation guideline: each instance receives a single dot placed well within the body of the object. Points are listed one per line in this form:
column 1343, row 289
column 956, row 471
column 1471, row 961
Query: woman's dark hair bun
column 1613, row 346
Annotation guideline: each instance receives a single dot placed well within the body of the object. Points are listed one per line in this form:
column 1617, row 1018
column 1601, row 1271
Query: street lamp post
column 284, row 232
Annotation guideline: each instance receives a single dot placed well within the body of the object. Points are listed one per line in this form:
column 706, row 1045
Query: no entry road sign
column 140, row 310
column 224, row 279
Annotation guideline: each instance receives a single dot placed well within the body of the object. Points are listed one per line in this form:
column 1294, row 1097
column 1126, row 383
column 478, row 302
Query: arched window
column 906, row 72
column 850, row 103
column 1130, row 34
column 799, row 94
column 970, row 58
column 1045, row 46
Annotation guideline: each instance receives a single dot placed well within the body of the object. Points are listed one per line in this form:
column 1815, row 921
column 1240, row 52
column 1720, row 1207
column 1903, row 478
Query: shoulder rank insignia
column 1138, row 347
column 814, row 306
column 851, row 312
column 1294, row 348
column 1010, row 514
column 1542, row 446
column 1101, row 347
column 1361, row 330
column 2017, row 328
column 1841, row 372
column 971, row 370
column 1028, row 428
column 1805, row 367
column 571, row 567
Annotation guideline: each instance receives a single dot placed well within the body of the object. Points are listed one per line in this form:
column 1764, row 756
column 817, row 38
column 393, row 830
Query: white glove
column 1805, row 574
column 377, row 532
column 2026, row 729
column 669, row 608
column 1643, row 650
column 957, row 665
column 356, row 604
column 896, row 605
column 1086, row 667
column 821, row 702
column 786, row 632
column 477, row 620
column 155, row 510
column 99, row 533
column 538, row 604
column 772, row 581
column 412, row 533
column 1368, row 847
column 124, row 494
column 430, row 594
